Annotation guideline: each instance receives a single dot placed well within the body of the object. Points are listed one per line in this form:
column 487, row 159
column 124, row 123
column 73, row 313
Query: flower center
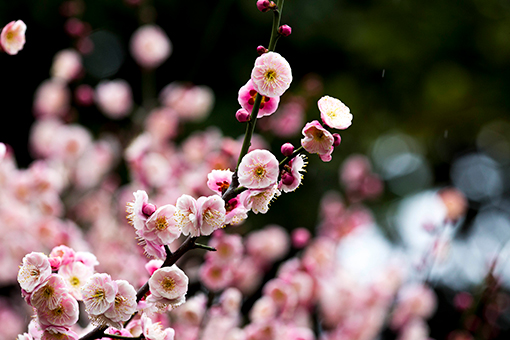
column 75, row 282
column 168, row 284
column 48, row 291
column 270, row 76
column 10, row 36
column 161, row 223
column 260, row 171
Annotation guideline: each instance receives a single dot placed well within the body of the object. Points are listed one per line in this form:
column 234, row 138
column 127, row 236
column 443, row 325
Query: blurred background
column 427, row 84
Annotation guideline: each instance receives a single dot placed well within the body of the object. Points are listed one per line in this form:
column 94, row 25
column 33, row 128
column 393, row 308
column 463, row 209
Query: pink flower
column 334, row 113
column 150, row 46
column 75, row 275
column 271, row 75
column 99, row 294
column 212, row 213
column 318, row 140
column 291, row 174
column 215, row 276
column 258, row 169
column 12, row 37
column 168, row 286
column 229, row 248
column 64, row 253
column 258, row 200
column 246, row 99
column 59, row 333
column 235, row 211
column 186, row 215
column 191, row 102
column 137, row 210
column 268, row 244
column 154, row 331
column 52, row 98
column 219, row 180
column 153, row 265
column 3, row 151
column 34, row 270
column 48, row 295
column 161, row 226
column 114, row 98
column 66, row 65
column 65, row 314
column 124, row 305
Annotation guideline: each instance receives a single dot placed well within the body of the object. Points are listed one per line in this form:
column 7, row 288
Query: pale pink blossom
column 52, row 98
column 12, row 37
column 153, row 265
column 264, row 309
column 334, row 113
column 211, row 211
column 300, row 237
column 415, row 300
column 168, row 285
column 455, row 202
column 258, row 169
column 3, row 151
column 192, row 312
column 318, row 140
column 71, row 141
column 150, row 46
column 258, row 200
column 186, row 215
column 246, row 98
column 124, row 304
column 271, row 75
column 66, row 65
column 99, row 293
column 64, row 253
column 114, row 98
column 24, row 336
column 75, row 275
column 65, row 314
column 268, row 244
column 154, row 331
column 229, row 248
column 235, row 210
column 59, row 333
column 161, row 226
column 162, row 124
column 215, row 276
column 288, row 120
column 231, row 300
column 219, row 180
column 48, row 295
column 292, row 174
column 191, row 102
column 35, row 270
column 87, row 258
column 283, row 294
column 137, row 216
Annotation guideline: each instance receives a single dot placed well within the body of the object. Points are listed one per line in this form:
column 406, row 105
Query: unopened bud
column 242, row 116
column 285, row 30
column 148, row 209
column 261, row 50
column 287, row 149
column 287, row 178
column 263, row 5
column 336, row 139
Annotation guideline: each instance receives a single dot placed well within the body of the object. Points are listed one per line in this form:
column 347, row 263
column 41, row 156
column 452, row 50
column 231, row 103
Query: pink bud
column 336, row 139
column 287, row 149
column 261, row 50
column 148, row 209
column 263, row 5
column 300, row 237
column 285, row 30
column 84, row 95
column 242, row 115
column 287, row 178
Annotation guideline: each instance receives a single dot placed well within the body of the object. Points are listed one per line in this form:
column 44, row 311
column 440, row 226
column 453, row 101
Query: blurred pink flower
column 12, row 37
column 191, row 102
column 150, row 46
column 114, row 98
column 246, row 99
column 334, row 113
column 258, row 169
column 271, row 74
column 66, row 65
column 215, row 276
column 268, row 244
column 52, row 99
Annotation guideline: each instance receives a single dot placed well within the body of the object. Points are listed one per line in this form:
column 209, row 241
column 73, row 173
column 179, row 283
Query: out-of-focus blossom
column 288, row 120
column 66, row 65
column 334, row 113
column 246, row 98
column 191, row 102
column 268, row 244
column 150, row 46
column 318, row 140
column 3, row 151
column 215, row 276
column 415, row 300
column 455, row 202
column 84, row 95
column 271, row 74
column 12, row 37
column 52, row 99
column 114, row 98
column 229, row 248
column 162, row 124
column 258, row 169
column 35, row 269
column 358, row 179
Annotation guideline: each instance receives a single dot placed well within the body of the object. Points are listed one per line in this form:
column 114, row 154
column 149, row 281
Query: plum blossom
column 271, row 75
column 75, row 275
column 186, row 215
column 12, row 37
column 161, row 227
column 168, row 286
column 114, row 98
column 212, row 213
column 154, row 331
column 35, row 269
column 318, row 140
column 66, row 65
column 137, row 210
column 235, row 211
column 124, row 304
column 65, row 314
column 334, row 113
column 150, row 46
column 258, row 200
column 191, row 102
column 291, row 174
column 219, row 180
column 258, row 169
column 48, row 295
column 246, row 99
column 99, row 294
column 59, row 333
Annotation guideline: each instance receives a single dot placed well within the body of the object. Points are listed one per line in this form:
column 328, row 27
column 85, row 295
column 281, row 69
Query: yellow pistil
column 75, row 282
column 168, row 284
column 161, row 223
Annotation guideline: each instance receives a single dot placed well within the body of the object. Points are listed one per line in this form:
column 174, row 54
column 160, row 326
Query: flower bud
column 285, row 30
column 287, row 178
column 148, row 209
column 263, row 5
column 242, row 115
column 287, row 149
column 261, row 50
column 337, row 139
